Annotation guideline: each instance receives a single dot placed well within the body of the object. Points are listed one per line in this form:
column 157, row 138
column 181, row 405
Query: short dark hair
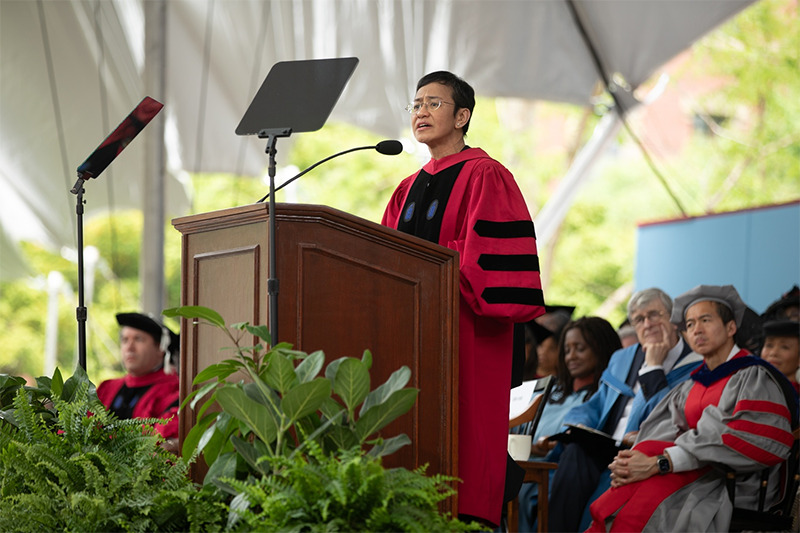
column 463, row 93
column 724, row 312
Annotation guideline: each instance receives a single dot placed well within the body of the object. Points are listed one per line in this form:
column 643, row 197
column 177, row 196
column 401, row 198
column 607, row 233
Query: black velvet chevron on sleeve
column 511, row 263
column 505, row 230
column 513, row 295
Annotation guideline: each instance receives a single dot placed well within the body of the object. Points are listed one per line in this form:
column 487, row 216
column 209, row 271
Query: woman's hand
column 541, row 447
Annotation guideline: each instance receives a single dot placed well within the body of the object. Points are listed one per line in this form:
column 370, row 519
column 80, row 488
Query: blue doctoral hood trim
column 706, row 377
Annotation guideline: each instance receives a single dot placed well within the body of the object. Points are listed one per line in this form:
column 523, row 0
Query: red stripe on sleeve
column 762, row 406
column 749, row 450
column 764, row 430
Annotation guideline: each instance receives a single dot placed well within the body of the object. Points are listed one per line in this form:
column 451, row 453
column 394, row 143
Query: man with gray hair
column 636, row 379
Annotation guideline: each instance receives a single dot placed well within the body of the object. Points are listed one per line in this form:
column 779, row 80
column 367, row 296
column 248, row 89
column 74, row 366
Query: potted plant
column 291, row 448
column 296, row 448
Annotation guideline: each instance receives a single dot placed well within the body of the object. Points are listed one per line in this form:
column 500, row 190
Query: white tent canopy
column 72, row 69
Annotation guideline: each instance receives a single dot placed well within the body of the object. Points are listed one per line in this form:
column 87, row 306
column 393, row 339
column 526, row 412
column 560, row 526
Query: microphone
column 391, row 147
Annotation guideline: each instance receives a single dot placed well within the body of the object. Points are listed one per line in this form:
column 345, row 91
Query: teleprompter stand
column 94, row 165
column 295, row 97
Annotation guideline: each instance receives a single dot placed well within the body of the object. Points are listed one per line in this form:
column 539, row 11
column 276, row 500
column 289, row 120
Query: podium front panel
column 345, row 285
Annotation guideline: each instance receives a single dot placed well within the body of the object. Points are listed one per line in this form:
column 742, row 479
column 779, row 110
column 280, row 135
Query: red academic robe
column 160, row 400
column 486, row 220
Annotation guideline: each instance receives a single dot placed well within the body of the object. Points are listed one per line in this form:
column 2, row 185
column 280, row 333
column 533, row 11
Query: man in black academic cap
column 150, row 389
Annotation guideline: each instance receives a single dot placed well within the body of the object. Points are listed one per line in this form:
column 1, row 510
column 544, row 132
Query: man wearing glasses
column 465, row 200
column 636, row 379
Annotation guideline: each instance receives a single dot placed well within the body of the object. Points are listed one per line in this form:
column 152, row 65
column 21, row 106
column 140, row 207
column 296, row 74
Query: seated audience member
column 786, row 307
column 546, row 330
column 636, row 379
column 733, row 412
column 531, row 365
column 627, row 334
column 584, row 349
column 149, row 389
column 782, row 348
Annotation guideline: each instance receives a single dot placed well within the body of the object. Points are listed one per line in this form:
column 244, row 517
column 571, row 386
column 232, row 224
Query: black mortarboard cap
column 151, row 326
column 552, row 323
column 540, row 333
column 568, row 309
column 790, row 298
column 782, row 328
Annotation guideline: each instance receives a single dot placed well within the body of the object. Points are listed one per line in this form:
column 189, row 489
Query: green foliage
column 349, row 491
column 332, row 183
column 67, row 464
column 751, row 154
column 298, row 451
column 39, row 399
column 22, row 308
column 121, row 235
column 286, row 403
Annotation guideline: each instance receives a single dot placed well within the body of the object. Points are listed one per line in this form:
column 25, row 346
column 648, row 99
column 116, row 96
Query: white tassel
column 164, row 346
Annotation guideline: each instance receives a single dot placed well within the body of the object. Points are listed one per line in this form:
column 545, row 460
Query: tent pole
column 552, row 214
column 151, row 262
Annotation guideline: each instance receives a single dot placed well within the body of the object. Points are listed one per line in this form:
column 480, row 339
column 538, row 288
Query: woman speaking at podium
column 465, row 200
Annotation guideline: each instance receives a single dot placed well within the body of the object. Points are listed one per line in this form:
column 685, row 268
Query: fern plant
column 348, row 491
column 80, row 468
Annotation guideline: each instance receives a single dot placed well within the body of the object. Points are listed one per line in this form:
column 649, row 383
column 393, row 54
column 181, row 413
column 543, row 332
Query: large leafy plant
column 67, row 464
column 297, row 449
column 284, row 402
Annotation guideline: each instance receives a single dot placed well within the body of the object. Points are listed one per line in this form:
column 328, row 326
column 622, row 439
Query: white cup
column 519, row 447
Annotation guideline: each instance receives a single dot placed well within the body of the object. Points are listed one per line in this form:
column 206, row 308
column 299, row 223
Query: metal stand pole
column 80, row 311
column 273, row 285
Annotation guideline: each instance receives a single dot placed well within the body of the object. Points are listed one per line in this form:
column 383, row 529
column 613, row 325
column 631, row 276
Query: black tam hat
column 782, row 328
column 552, row 323
column 791, row 298
column 168, row 340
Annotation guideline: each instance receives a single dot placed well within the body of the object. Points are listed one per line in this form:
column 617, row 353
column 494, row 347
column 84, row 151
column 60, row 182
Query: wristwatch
column 663, row 464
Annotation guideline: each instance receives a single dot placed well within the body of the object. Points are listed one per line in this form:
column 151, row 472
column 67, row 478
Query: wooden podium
column 345, row 285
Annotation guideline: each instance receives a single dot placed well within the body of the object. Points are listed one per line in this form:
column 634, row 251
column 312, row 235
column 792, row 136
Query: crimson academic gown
column 154, row 395
column 470, row 203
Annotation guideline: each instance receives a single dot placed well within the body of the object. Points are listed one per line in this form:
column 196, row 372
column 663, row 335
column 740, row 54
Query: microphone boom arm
column 383, row 147
column 312, row 167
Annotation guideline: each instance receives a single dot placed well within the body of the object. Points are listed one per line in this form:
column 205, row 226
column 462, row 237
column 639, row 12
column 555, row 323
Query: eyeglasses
column 652, row 316
column 414, row 107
